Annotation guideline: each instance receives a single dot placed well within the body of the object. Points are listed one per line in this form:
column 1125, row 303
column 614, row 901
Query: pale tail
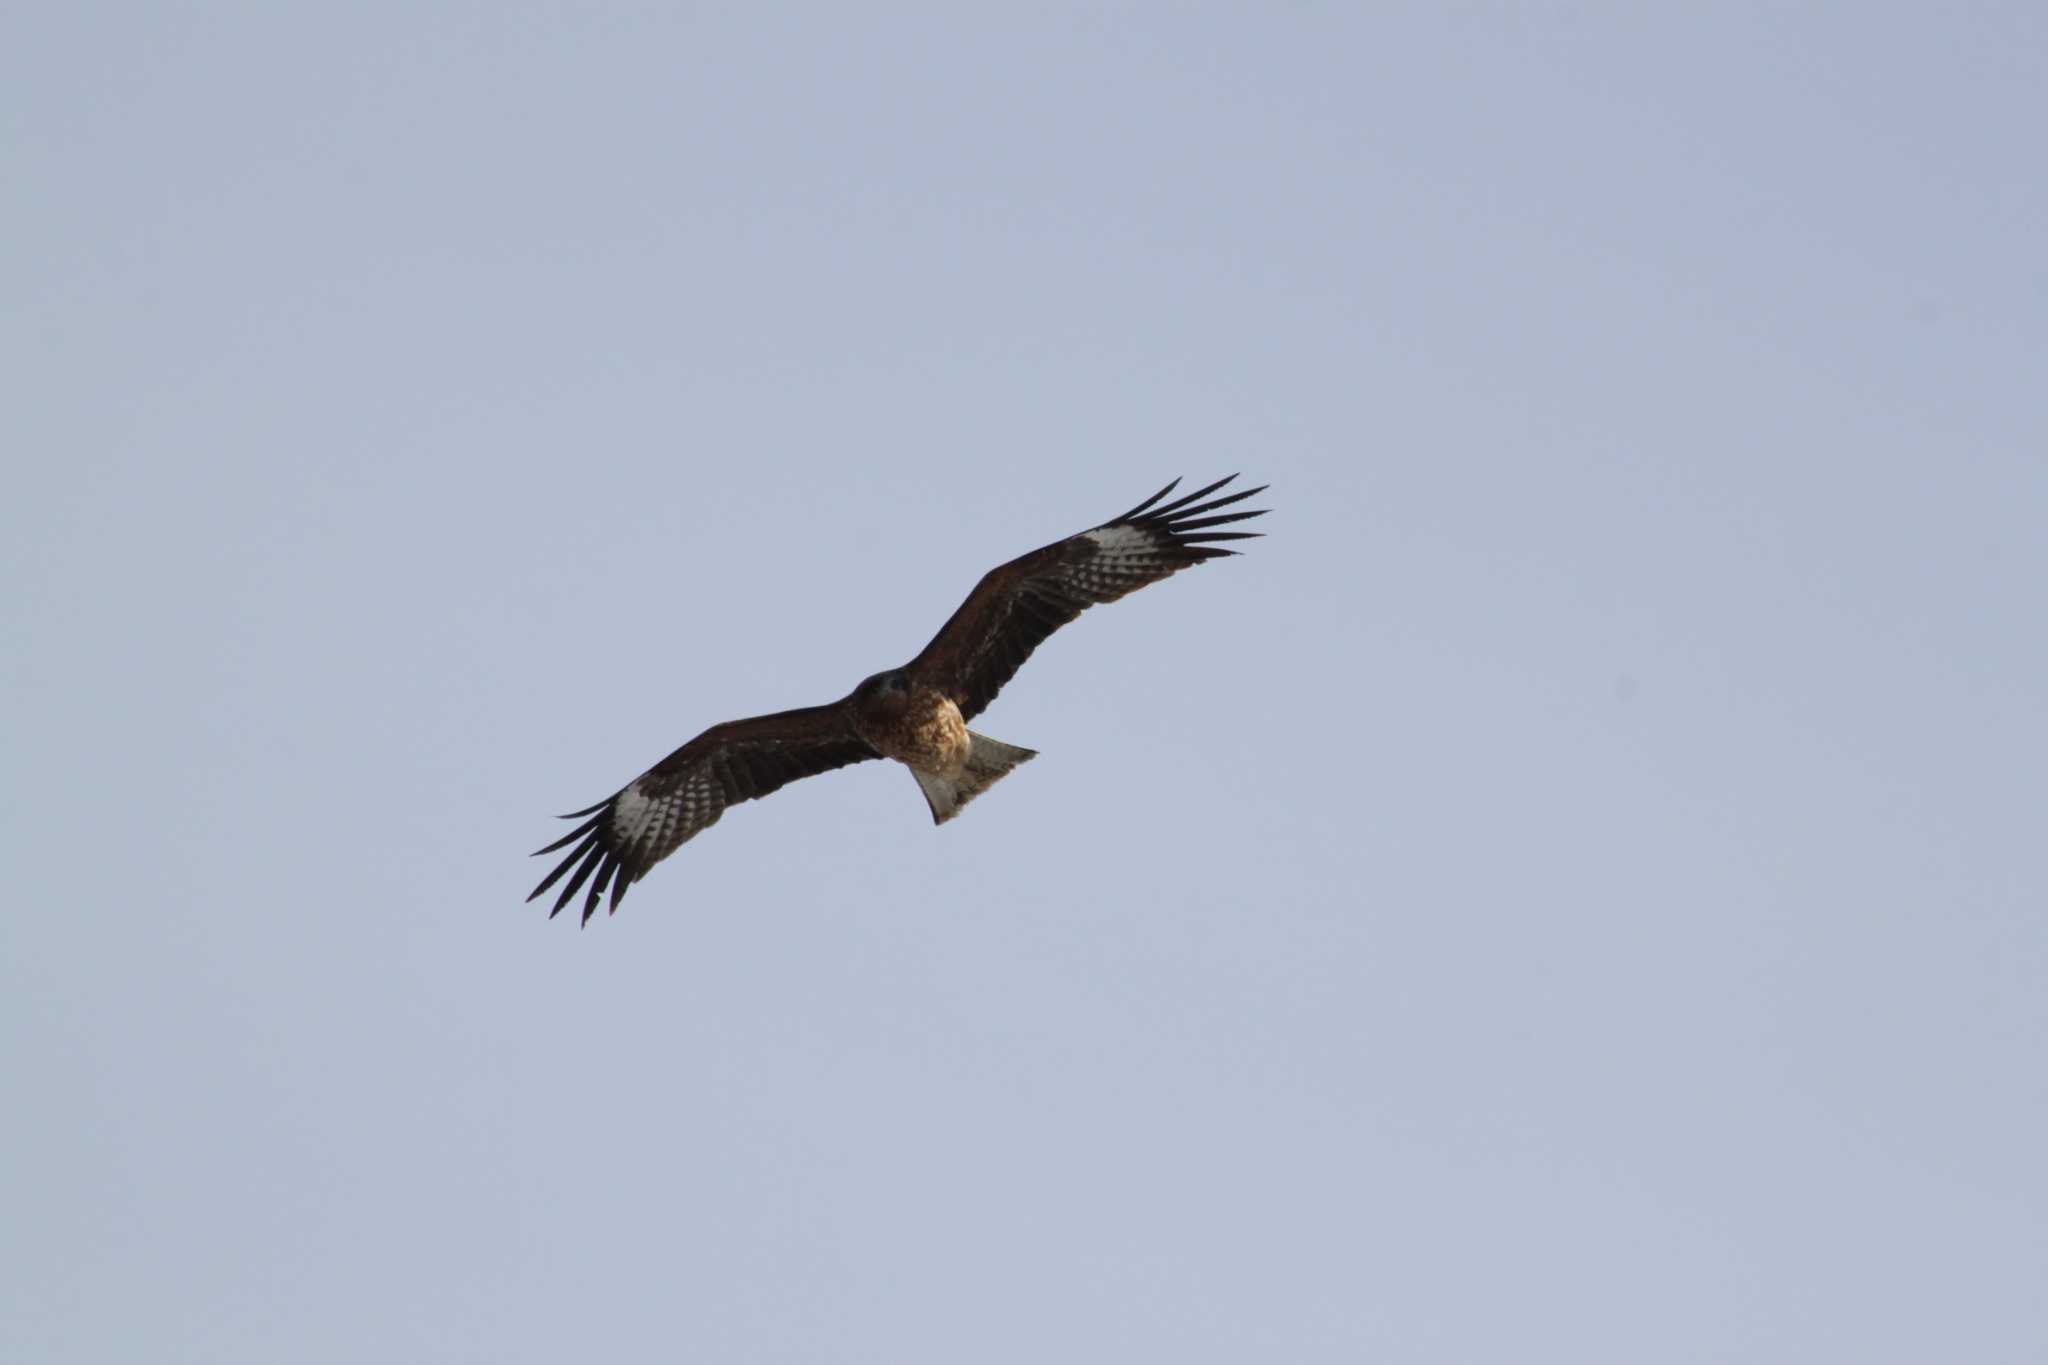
column 988, row 762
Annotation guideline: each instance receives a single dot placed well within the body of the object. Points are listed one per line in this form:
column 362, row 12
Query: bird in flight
column 916, row 714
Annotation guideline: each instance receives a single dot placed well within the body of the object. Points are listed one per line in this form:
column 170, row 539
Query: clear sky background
column 1574, row 892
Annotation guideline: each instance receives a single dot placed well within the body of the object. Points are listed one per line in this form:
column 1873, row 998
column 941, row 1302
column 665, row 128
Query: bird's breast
column 928, row 734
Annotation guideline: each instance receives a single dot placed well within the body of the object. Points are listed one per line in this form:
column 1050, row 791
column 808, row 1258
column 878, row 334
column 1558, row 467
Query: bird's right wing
column 1018, row 604
column 663, row 808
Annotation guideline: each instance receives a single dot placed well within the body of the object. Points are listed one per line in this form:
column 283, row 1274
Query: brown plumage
column 916, row 714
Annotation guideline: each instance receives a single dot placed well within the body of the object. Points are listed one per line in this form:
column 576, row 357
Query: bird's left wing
column 660, row 810
column 1015, row 606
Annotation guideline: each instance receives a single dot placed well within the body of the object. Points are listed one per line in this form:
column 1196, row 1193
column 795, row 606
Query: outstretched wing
column 663, row 808
column 1013, row 608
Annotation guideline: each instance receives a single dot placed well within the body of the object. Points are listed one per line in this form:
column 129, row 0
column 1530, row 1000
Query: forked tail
column 988, row 762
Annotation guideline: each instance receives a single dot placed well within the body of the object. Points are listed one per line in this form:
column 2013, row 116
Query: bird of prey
column 916, row 714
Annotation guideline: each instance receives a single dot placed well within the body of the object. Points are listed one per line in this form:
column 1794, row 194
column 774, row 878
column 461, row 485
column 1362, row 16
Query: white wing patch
column 632, row 811
column 1117, row 541
column 653, row 816
column 1126, row 558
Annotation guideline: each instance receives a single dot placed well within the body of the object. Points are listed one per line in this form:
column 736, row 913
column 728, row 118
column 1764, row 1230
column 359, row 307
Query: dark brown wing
column 663, row 808
column 1013, row 609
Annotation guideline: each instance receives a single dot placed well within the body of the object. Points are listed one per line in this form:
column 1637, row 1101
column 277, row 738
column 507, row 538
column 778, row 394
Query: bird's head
column 887, row 693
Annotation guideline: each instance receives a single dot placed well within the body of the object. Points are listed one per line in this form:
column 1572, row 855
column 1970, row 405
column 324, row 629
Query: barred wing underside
column 1015, row 607
column 684, row 794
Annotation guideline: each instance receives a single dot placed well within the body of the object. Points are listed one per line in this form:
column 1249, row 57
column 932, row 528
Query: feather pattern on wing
column 663, row 808
column 1015, row 607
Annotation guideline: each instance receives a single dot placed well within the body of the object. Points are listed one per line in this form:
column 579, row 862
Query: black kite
column 916, row 714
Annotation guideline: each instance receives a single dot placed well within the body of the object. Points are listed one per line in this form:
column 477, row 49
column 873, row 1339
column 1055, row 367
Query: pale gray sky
column 1573, row 892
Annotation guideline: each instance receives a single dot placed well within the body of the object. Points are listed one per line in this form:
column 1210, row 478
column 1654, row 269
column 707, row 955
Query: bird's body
column 915, row 724
column 916, row 715
column 920, row 726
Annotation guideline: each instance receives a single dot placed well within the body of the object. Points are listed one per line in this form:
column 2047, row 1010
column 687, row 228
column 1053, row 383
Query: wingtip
column 1148, row 502
column 1166, row 513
